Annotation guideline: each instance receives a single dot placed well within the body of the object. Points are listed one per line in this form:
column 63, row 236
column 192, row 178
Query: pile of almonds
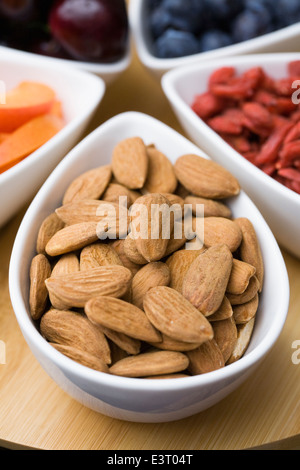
column 147, row 307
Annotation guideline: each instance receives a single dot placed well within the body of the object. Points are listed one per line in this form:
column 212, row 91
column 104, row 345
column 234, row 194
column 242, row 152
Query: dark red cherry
column 91, row 30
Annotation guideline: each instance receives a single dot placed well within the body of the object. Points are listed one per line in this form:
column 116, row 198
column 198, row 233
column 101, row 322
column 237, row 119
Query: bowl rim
column 101, row 68
column 126, row 383
column 95, row 83
column 136, row 9
column 171, row 78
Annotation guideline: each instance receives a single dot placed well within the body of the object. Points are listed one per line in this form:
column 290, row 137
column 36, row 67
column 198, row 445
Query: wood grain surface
column 36, row 413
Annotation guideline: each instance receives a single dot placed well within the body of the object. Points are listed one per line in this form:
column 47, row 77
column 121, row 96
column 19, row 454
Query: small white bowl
column 133, row 399
column 80, row 94
column 279, row 205
column 283, row 40
column 108, row 72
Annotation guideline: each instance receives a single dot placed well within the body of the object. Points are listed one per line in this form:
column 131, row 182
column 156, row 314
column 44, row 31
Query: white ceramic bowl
column 132, row 399
column 284, row 40
column 80, row 94
column 279, row 205
column 108, row 72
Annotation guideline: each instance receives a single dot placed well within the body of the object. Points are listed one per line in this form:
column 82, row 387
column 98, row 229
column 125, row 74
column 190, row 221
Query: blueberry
column 152, row 4
column 214, row 39
column 250, row 24
column 287, row 12
column 159, row 21
column 175, row 43
column 259, row 6
column 186, row 15
column 224, row 10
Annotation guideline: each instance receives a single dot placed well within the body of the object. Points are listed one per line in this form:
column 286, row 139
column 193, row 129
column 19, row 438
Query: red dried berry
column 225, row 125
column 294, row 68
column 290, row 174
column 269, row 151
column 222, row 75
column 207, row 105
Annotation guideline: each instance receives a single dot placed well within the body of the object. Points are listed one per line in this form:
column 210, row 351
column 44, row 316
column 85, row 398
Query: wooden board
column 35, row 413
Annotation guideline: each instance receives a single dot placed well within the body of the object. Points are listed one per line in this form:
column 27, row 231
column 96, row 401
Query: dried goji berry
column 294, row 134
column 284, row 86
column 288, row 153
column 269, row 151
column 269, row 168
column 258, row 114
column 261, row 131
column 255, row 77
column 295, row 186
column 264, row 97
column 296, row 163
column 207, row 105
column 290, row 174
column 225, row 125
column 295, row 116
column 251, row 156
column 283, row 106
column 222, row 75
column 237, row 88
column 240, row 143
column 294, row 68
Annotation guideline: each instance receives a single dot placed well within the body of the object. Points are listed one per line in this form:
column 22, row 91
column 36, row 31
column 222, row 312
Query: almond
column 250, row 251
column 175, row 317
column 224, row 311
column 118, row 246
column 151, row 225
column 119, row 194
column 218, row 230
column 130, row 162
column 116, row 353
column 74, row 290
column 152, row 275
column 89, row 185
column 72, row 238
column 40, row 270
column 122, row 317
column 170, row 344
column 131, row 251
column 178, row 238
column 49, row 227
column 161, row 176
column 207, row 207
column 124, row 342
column 152, row 363
column 82, row 357
column 245, row 312
column 98, row 254
column 66, row 264
column 179, row 263
column 206, row 358
column 74, row 329
column 177, row 204
column 240, row 276
column 206, row 280
column 244, row 334
column 247, row 295
column 205, row 178
column 225, row 335
column 111, row 217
